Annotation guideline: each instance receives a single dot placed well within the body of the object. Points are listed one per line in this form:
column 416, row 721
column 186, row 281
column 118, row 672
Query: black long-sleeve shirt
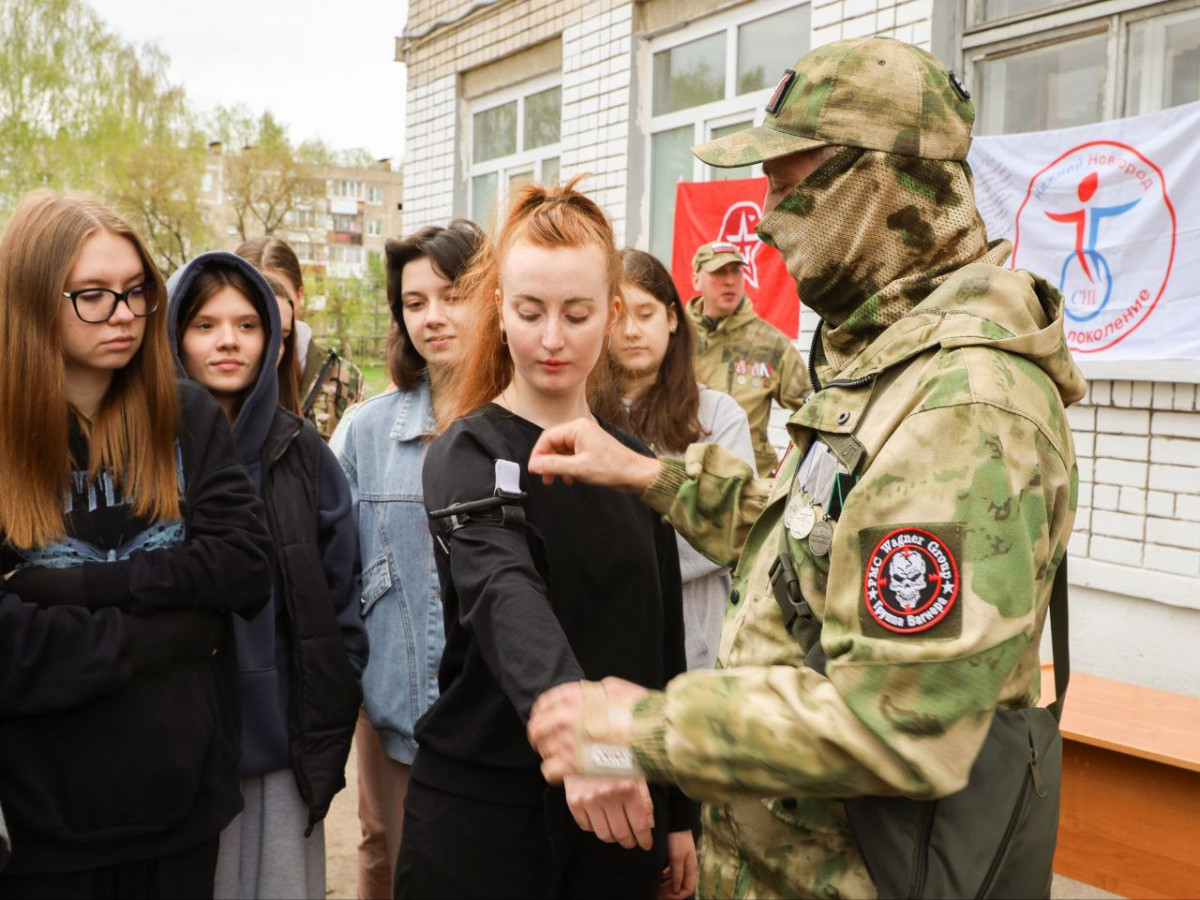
column 588, row 588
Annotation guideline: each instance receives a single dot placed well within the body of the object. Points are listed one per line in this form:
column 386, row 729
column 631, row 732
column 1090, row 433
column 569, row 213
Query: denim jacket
column 382, row 455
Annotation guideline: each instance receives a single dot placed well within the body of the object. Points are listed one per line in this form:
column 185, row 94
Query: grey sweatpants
column 264, row 852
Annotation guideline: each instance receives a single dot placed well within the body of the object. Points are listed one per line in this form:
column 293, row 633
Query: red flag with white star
column 729, row 211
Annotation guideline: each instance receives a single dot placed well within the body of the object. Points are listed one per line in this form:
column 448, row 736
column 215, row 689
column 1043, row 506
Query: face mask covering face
column 868, row 235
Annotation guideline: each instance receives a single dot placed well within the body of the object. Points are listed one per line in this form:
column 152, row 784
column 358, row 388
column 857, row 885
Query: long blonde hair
column 134, row 430
column 543, row 217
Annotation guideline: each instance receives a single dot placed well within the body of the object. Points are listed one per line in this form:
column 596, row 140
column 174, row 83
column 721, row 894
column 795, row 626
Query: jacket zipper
column 817, row 387
column 1034, row 777
column 920, row 863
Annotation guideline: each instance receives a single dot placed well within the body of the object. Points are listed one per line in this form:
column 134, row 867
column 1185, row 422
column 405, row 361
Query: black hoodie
column 133, row 754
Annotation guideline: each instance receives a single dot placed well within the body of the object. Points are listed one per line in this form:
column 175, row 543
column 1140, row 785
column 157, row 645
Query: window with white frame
column 514, row 140
column 708, row 80
column 1036, row 65
column 374, row 195
column 374, row 228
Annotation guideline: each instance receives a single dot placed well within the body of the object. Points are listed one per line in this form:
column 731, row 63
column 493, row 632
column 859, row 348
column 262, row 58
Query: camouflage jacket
column 340, row 385
column 753, row 362
column 964, row 502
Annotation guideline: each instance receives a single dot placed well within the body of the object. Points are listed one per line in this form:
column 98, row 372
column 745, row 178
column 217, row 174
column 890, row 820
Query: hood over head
column 258, row 408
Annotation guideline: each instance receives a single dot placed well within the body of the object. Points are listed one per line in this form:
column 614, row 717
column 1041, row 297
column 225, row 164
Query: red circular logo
column 911, row 582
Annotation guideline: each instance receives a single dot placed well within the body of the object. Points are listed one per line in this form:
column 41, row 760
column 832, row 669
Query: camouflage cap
column 873, row 93
column 713, row 255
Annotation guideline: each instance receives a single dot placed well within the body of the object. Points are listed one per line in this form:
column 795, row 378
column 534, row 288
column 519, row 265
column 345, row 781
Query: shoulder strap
column 315, row 388
column 1059, row 639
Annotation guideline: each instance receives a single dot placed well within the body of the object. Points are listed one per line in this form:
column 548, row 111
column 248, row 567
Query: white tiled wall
column 597, row 59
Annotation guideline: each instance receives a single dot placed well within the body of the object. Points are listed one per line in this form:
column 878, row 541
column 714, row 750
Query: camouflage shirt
column 753, row 362
column 328, row 385
column 931, row 595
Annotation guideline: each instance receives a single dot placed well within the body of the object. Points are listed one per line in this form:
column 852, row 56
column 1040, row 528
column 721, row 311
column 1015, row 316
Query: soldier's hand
column 569, row 720
column 583, row 451
column 616, row 810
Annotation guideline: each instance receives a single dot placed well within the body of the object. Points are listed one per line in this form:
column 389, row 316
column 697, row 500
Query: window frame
column 524, row 160
column 705, row 117
column 982, row 42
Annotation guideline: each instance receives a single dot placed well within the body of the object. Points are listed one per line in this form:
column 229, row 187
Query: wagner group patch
column 911, row 580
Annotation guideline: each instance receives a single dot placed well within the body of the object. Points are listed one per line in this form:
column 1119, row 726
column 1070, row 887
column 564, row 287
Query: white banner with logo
column 1110, row 215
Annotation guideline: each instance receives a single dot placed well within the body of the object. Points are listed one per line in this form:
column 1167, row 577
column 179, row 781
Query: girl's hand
column 679, row 877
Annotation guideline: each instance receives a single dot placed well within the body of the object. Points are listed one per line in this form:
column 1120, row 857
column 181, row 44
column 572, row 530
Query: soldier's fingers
column 555, row 769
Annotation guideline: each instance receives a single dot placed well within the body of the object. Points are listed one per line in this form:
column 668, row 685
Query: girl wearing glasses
column 301, row 658
column 123, row 508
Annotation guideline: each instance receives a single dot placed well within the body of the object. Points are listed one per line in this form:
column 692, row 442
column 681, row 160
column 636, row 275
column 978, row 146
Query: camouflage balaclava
column 891, row 212
column 869, row 235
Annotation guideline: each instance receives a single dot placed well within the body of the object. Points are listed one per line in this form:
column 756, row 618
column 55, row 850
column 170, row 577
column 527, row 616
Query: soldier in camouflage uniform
column 737, row 352
column 928, row 565
column 329, row 384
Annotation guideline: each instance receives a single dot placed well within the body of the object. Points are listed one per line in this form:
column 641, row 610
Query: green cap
column 713, row 255
column 873, row 93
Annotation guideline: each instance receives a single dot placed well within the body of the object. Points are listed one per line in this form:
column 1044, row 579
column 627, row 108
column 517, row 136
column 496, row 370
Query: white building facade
column 507, row 91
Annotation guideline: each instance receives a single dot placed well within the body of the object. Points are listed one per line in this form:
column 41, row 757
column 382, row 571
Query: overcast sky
column 323, row 67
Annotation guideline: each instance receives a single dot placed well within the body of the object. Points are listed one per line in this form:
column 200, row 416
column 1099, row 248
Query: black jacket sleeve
column 682, row 813
column 502, row 599
column 63, row 656
column 224, row 562
column 337, row 530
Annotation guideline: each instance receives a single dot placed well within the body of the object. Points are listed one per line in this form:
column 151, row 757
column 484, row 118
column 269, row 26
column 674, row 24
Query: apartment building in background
column 504, row 91
column 348, row 214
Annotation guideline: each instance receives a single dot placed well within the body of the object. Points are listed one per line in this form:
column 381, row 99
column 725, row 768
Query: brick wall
column 1139, row 476
column 833, row 20
column 431, row 140
column 597, row 60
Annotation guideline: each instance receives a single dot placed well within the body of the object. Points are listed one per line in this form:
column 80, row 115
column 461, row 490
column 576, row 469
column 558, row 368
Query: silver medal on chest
column 820, row 539
column 799, row 517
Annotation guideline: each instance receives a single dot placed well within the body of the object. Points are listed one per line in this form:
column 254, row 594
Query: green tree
column 81, row 109
column 264, row 176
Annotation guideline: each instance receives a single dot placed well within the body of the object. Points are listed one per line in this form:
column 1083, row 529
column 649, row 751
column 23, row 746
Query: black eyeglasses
column 95, row 305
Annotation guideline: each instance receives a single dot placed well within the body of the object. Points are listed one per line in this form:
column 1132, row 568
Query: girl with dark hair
column 288, row 372
column 128, row 532
column 541, row 585
column 654, row 351
column 328, row 383
column 382, row 449
column 301, row 658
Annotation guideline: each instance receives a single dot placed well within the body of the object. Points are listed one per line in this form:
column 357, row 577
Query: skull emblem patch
column 911, row 581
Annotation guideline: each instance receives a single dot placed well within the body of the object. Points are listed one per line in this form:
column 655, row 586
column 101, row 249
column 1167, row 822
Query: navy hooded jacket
column 262, row 642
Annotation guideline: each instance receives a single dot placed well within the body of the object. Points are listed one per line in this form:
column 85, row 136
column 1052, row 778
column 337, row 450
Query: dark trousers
column 456, row 847
column 186, row 875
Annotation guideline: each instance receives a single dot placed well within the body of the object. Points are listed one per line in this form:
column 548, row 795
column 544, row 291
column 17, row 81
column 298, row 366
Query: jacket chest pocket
column 376, row 581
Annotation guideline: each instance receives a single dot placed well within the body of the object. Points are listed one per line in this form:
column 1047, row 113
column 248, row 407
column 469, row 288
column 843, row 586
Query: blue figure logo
column 1086, row 267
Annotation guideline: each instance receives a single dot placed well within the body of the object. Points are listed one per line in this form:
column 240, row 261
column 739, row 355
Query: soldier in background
column 739, row 353
column 893, row 580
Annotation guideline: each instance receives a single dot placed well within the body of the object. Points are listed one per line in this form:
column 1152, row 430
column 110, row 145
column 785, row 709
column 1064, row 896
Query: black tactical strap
column 1060, row 639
